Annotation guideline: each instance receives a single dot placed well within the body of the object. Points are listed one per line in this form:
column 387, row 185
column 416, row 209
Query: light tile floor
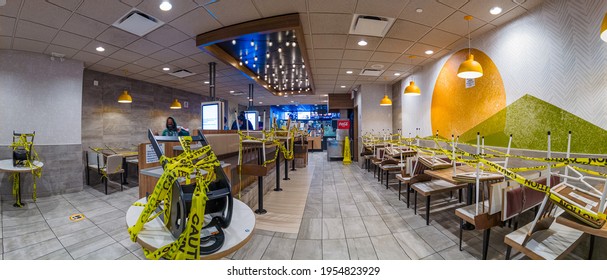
column 348, row 215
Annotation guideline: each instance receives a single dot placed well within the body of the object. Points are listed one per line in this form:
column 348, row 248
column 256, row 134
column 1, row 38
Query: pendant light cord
column 469, row 44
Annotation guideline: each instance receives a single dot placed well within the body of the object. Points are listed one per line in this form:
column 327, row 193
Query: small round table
column 6, row 165
column 154, row 234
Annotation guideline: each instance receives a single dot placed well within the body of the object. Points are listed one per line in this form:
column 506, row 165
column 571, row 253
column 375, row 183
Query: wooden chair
column 113, row 166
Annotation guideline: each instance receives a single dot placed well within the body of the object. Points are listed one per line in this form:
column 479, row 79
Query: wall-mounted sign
column 343, row 124
column 150, row 155
column 470, row 83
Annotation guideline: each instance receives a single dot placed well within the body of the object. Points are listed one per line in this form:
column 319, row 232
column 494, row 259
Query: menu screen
column 210, row 117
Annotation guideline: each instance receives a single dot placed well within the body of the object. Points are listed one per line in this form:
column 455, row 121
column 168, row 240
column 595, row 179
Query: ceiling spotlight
column 362, row 43
column 270, row 43
column 419, row 10
column 288, row 43
column 429, row 52
column 293, row 44
column 100, row 49
column 246, row 62
column 292, row 101
column 303, row 66
column 260, row 102
column 252, row 43
column 343, row 86
column 231, row 91
column 267, row 65
column 280, row 66
column 325, row 95
column 396, row 74
column 166, row 69
column 267, row 54
column 279, row 49
column 240, row 63
column 233, row 42
column 349, row 72
column 495, row 10
column 254, row 65
column 255, row 58
column 166, row 6
column 206, row 82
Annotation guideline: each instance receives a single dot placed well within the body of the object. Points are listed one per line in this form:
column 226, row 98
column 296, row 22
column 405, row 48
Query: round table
column 6, row 165
column 154, row 234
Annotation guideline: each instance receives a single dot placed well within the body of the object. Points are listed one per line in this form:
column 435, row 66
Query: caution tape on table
column 31, row 157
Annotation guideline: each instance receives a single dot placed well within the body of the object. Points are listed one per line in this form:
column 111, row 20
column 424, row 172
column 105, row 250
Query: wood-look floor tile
column 361, row 249
column 308, row 250
column 335, row 249
column 279, row 249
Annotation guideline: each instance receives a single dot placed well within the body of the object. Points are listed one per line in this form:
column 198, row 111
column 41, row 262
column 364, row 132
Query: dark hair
column 174, row 123
column 241, row 118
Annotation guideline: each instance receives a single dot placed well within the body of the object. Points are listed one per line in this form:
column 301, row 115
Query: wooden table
column 572, row 222
column 550, row 244
column 154, row 234
column 6, row 165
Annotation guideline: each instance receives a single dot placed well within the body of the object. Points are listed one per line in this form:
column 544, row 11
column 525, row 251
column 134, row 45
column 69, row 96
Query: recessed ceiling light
column 100, row 49
column 166, row 69
column 292, row 101
column 343, row 86
column 362, row 43
column 260, row 102
column 396, row 74
column 233, row 42
column 419, row 10
column 231, row 91
column 166, row 6
column 429, row 52
column 206, row 82
column 325, row 95
column 349, row 72
column 495, row 10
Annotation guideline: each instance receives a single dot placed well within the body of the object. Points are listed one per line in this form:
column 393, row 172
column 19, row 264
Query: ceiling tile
column 407, row 30
column 305, row 23
column 166, row 35
column 357, row 55
column 68, row 52
column 377, row 65
column 330, row 23
column 195, row 22
column 7, row 24
column 384, row 8
column 484, row 29
column 347, row 77
column 327, row 63
column 184, row 63
column 439, row 38
column 5, row 42
column 510, row 15
column 150, row 73
column 203, row 58
column 353, row 40
column 326, row 71
column 456, row 4
column 528, row 4
column 353, row 64
column 87, row 57
column 384, row 56
column 107, row 11
column 100, row 68
column 148, row 62
column 187, row 47
column 329, row 41
column 333, row 6
column 432, row 14
column 44, row 13
column 319, row 78
column 229, row 12
column 366, row 79
column 29, row 45
column 11, row 8
column 457, row 25
column 110, row 62
column 328, row 54
column 117, row 37
column 132, row 68
column 30, row 30
column 269, row 8
column 70, row 40
column 84, row 26
column 166, row 55
column 66, row 4
column 480, row 8
column 398, row 67
column 441, row 53
column 394, row 45
column 179, row 8
column 109, row 49
column 419, row 49
column 126, row 55
column 144, row 47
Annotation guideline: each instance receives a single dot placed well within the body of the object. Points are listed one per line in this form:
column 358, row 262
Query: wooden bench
column 482, row 221
column 551, row 244
column 429, row 188
column 388, row 166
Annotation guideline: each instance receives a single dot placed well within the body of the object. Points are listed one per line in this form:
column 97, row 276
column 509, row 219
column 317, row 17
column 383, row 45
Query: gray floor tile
column 361, row 249
column 61, row 254
column 366, row 209
column 279, row 249
column 264, row 232
column 335, row 249
column 333, row 228
column 112, row 252
column 254, row 249
column 34, row 251
column 310, row 229
column 436, row 256
column 453, row 253
column 17, row 230
column 92, row 205
column 308, row 250
column 349, row 210
column 415, row 246
column 330, row 210
column 129, row 256
column 314, row 198
column 85, row 247
column 81, row 236
column 313, row 210
column 62, row 230
column 18, row 242
column 100, row 219
column 354, row 227
column 329, row 197
column 286, row 235
column 375, row 225
column 435, row 238
column 387, row 248
column 14, row 218
column 395, row 223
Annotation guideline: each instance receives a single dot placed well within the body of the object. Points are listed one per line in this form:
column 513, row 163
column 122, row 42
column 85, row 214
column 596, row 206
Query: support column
column 212, row 80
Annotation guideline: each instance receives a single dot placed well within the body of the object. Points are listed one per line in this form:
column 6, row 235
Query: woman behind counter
column 173, row 130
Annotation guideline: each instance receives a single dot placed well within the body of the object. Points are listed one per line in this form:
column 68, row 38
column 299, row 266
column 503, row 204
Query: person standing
column 172, row 129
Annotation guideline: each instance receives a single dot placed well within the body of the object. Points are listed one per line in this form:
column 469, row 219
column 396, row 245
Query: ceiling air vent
column 182, row 73
column 137, row 22
column 237, row 93
column 370, row 25
column 371, row 72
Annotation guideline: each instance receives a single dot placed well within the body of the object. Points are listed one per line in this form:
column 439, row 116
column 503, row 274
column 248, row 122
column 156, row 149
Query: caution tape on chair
column 31, row 157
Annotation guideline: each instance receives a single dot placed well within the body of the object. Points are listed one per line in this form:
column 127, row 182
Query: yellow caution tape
column 32, row 156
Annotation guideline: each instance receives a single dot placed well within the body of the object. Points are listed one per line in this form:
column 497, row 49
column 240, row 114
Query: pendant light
column 176, row 104
column 412, row 89
column 125, row 97
column 385, row 101
column 469, row 69
column 604, row 29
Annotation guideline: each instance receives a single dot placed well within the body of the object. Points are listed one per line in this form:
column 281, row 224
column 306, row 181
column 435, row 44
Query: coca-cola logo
column 343, row 124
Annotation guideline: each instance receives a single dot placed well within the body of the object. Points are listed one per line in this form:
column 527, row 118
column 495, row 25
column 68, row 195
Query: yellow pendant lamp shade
column 175, row 104
column 470, row 69
column 385, row 101
column 412, row 89
column 604, row 29
column 125, row 97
